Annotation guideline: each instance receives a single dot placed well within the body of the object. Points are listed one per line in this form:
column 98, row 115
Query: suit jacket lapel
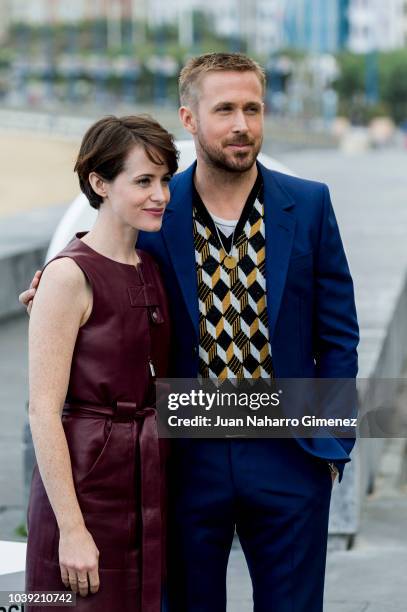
column 280, row 226
column 179, row 237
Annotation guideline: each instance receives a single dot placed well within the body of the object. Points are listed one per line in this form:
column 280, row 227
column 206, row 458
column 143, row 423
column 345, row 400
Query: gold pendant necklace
column 229, row 261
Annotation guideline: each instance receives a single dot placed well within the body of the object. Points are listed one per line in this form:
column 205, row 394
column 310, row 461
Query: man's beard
column 240, row 162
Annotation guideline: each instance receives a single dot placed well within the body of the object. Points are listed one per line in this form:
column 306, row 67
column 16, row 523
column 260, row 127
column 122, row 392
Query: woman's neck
column 112, row 238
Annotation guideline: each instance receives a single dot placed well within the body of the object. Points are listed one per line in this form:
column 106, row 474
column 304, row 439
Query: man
column 259, row 286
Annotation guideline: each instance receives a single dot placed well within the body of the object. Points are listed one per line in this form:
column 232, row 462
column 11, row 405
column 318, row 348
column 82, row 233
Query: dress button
column 154, row 316
column 195, row 350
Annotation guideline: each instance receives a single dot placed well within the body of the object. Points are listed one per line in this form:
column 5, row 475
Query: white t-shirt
column 226, row 226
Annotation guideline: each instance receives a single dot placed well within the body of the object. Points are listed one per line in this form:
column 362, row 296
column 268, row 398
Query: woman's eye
column 144, row 182
column 166, row 179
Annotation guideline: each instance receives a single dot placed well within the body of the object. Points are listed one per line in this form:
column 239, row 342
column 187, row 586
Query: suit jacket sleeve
column 337, row 332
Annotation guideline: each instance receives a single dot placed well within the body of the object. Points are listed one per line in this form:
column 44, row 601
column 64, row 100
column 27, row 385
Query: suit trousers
column 275, row 495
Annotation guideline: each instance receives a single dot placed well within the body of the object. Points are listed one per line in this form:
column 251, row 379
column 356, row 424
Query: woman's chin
column 152, row 226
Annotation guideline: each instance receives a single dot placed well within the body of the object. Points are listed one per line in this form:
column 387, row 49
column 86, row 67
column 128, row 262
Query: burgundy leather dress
column 109, row 419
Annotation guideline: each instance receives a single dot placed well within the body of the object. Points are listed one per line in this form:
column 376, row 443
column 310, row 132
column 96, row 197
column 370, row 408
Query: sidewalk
column 369, row 578
column 372, row 576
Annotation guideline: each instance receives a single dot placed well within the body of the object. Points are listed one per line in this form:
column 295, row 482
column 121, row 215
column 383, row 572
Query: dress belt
column 124, row 412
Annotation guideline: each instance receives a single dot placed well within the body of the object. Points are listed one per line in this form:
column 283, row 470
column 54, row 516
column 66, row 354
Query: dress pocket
column 99, row 457
column 87, row 440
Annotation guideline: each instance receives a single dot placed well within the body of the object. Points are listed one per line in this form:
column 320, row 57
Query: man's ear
column 188, row 119
column 98, row 184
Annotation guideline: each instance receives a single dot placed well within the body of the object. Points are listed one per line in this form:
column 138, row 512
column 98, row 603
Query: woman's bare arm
column 61, row 306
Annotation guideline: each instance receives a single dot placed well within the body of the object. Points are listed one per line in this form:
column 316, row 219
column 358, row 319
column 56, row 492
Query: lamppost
column 185, row 25
column 49, row 52
column 139, row 21
column 371, row 61
column 114, row 25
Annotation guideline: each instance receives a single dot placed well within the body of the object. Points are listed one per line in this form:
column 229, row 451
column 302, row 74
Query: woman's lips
column 156, row 212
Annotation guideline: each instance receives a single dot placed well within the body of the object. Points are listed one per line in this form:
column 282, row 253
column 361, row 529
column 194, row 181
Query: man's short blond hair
column 198, row 66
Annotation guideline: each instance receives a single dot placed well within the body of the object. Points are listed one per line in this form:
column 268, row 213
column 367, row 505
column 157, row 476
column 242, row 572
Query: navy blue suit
column 275, row 492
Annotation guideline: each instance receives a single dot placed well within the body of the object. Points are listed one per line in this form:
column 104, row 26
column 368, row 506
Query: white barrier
column 12, row 557
column 12, row 569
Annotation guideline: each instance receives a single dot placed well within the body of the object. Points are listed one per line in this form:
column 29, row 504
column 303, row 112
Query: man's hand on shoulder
column 26, row 297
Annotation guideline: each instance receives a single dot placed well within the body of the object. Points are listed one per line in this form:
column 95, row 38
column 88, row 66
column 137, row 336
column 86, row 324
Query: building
column 343, row 36
column 258, row 22
column 377, row 25
column 38, row 12
column 269, row 28
column 317, row 26
column 4, row 17
column 405, row 23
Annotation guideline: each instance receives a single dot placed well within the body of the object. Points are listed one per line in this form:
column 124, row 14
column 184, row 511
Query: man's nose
column 240, row 123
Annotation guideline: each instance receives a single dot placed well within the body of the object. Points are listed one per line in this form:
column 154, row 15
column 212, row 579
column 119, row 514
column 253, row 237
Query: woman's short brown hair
column 107, row 143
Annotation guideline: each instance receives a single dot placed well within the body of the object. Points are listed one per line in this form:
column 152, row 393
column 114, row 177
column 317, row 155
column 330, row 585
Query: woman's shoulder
column 67, row 264
column 62, row 293
column 62, row 272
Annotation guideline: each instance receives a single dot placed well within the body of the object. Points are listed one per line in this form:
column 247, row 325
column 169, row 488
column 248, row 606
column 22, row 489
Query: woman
column 98, row 335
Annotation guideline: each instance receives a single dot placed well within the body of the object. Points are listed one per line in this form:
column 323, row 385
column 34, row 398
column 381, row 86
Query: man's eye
column 224, row 109
column 253, row 110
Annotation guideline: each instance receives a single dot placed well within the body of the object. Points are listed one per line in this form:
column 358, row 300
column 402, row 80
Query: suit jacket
column 313, row 326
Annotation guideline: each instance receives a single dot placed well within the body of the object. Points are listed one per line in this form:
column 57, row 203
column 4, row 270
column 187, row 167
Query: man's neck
column 224, row 193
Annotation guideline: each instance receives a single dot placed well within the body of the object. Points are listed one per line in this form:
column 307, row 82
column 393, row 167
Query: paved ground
column 37, row 171
column 369, row 196
column 372, row 576
column 369, row 578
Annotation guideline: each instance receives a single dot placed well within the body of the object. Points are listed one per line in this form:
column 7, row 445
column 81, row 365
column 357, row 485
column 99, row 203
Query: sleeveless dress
column 109, row 419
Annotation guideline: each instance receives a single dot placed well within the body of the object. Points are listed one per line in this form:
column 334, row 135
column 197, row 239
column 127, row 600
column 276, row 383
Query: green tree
column 351, row 86
column 393, row 83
